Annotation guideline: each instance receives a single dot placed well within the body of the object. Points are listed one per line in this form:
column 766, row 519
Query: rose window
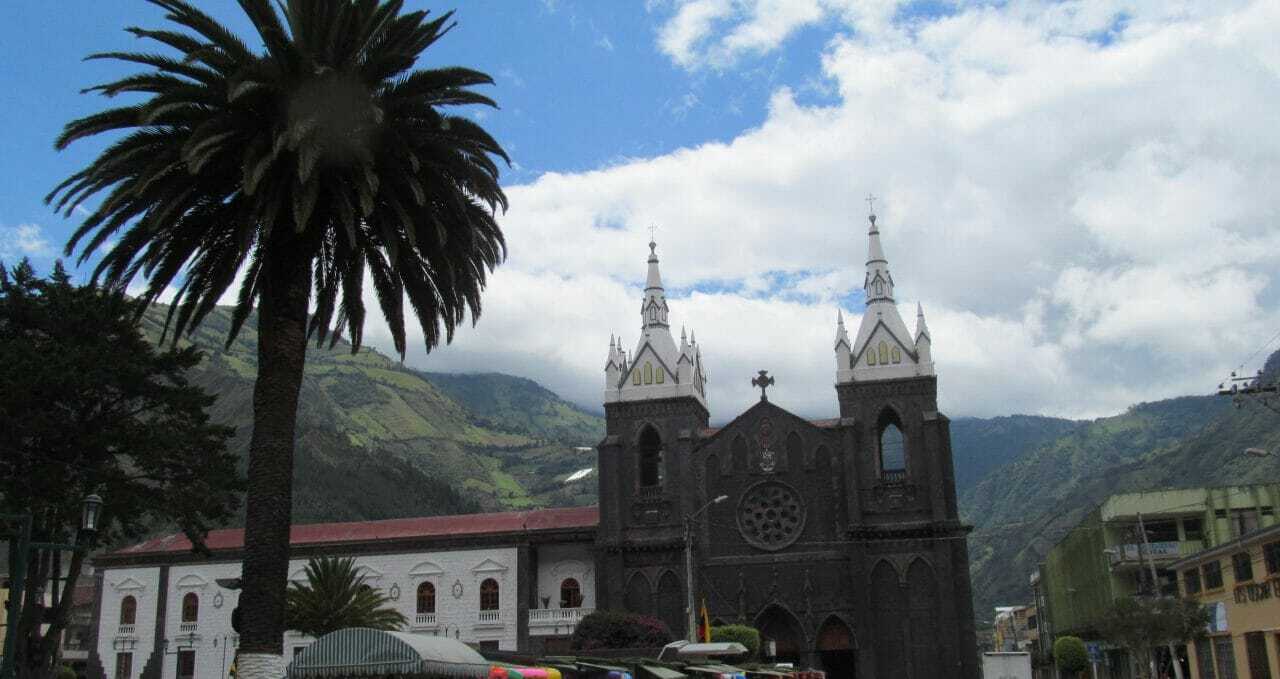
column 770, row 515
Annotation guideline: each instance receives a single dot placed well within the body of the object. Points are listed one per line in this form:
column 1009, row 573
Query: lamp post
column 22, row 548
column 690, row 620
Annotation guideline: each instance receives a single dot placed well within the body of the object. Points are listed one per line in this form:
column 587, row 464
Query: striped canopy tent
column 363, row 652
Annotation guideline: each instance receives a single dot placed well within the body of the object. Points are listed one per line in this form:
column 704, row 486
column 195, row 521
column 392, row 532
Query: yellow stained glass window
column 871, row 356
column 660, row 375
column 635, row 376
column 884, row 353
column 897, row 355
column 648, row 372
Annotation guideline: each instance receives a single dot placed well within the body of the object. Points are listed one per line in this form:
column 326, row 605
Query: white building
column 513, row 580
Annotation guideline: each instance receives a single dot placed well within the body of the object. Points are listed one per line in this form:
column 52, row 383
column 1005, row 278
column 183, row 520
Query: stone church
column 838, row 539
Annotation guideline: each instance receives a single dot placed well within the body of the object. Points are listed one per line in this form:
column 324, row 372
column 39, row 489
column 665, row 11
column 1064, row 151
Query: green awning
column 360, row 651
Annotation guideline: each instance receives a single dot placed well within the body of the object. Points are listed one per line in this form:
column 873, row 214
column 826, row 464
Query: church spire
column 878, row 284
column 884, row 347
column 658, row 368
column 654, row 310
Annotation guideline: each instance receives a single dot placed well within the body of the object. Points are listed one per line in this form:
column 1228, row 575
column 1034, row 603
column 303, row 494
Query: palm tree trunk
column 282, row 348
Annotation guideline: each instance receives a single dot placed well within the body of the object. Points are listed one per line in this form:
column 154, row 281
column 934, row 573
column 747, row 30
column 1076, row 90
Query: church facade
column 838, row 539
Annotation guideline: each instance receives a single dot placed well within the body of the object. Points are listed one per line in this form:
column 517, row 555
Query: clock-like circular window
column 770, row 515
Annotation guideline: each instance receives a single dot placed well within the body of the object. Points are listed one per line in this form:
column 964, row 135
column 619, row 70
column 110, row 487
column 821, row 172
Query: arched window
column 884, row 353
column 871, row 355
column 650, row 458
column 897, row 355
column 426, row 598
column 879, row 286
column 128, row 610
column 893, row 458
column 635, row 376
column 489, row 595
column 190, row 607
column 648, row 372
column 570, row 594
column 659, row 375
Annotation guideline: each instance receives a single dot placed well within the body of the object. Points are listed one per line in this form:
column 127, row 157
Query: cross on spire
column 763, row 381
column 871, row 203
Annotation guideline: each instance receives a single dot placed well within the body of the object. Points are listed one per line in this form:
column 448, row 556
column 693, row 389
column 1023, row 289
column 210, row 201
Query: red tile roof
column 390, row 529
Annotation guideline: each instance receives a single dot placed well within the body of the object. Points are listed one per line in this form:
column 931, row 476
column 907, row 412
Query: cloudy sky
column 1081, row 194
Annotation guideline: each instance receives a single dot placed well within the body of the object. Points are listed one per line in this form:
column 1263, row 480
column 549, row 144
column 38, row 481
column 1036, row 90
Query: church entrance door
column 778, row 625
column 836, row 650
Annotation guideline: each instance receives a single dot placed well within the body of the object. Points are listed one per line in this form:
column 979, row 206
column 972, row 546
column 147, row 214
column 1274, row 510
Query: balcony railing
column 558, row 617
column 125, row 631
column 1137, row 554
column 422, row 620
column 489, row 618
column 893, row 475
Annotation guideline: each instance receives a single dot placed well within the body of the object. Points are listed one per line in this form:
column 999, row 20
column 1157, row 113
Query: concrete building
column 1015, row 628
column 1102, row 559
column 1239, row 581
column 503, row 581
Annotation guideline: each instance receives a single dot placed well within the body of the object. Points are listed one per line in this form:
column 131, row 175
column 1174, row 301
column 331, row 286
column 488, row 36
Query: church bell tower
column 907, row 540
column 655, row 407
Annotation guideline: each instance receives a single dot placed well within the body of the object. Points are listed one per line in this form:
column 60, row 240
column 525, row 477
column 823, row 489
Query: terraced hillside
column 377, row 439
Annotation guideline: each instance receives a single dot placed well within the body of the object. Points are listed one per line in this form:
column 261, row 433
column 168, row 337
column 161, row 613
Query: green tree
column 1142, row 625
column 743, row 634
column 299, row 170
column 335, row 597
column 1071, row 654
column 87, row 405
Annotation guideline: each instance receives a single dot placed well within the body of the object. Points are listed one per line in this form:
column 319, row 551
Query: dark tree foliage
column 1142, row 625
column 618, row 630
column 87, row 405
column 304, row 167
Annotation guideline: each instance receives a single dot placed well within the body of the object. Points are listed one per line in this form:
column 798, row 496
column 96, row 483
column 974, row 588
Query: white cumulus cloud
column 1080, row 193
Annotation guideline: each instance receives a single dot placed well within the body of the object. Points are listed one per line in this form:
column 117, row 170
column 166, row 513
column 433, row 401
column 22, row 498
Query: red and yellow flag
column 704, row 626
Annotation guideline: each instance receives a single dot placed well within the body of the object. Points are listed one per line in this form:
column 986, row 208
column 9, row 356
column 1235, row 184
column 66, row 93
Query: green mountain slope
column 1022, row 509
column 516, row 404
column 980, row 445
column 377, row 439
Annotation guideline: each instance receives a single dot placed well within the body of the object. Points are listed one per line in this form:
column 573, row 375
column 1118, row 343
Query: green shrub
column 1071, row 654
column 747, row 636
column 616, row 629
column 65, row 672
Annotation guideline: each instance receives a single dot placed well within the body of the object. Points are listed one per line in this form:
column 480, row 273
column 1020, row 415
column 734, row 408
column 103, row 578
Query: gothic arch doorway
column 836, row 649
column 778, row 625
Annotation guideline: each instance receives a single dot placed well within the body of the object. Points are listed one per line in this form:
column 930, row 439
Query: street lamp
column 690, row 620
column 90, row 514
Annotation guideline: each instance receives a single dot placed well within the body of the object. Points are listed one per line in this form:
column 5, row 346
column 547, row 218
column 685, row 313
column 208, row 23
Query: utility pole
column 1155, row 591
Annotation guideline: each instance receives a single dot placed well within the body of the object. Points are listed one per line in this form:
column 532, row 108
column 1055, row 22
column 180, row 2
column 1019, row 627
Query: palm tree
column 301, row 170
column 335, row 597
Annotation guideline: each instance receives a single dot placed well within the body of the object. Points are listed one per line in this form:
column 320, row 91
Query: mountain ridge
column 378, row 440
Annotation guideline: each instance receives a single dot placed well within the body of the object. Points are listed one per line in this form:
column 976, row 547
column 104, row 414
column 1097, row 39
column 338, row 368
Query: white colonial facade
column 512, row 581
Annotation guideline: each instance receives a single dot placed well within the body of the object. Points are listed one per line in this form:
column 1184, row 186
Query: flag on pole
column 704, row 626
